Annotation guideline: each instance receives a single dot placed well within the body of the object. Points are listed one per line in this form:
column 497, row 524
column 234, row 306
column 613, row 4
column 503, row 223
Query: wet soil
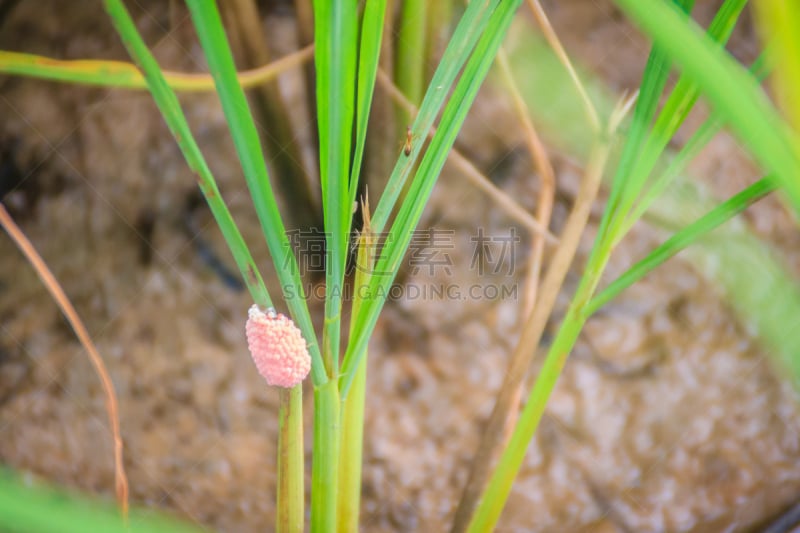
column 669, row 417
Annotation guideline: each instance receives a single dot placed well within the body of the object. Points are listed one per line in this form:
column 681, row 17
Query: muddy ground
column 668, row 417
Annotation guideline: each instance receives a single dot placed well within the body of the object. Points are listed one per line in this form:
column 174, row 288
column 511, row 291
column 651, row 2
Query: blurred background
column 668, row 417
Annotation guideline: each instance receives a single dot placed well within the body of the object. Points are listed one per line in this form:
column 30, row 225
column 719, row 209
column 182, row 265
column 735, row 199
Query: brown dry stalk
column 552, row 39
column 534, row 327
column 544, row 209
column 55, row 290
column 179, row 81
column 531, row 335
column 512, row 208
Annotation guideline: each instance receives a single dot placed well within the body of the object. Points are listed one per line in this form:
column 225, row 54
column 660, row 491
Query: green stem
column 411, row 53
column 290, row 461
column 353, row 404
column 325, row 469
column 351, row 452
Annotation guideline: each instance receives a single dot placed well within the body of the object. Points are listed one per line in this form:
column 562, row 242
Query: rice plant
column 348, row 40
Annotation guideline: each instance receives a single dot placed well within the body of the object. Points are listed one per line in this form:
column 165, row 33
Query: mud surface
column 668, row 416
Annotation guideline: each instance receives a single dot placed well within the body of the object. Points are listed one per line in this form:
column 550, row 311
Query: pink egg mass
column 278, row 347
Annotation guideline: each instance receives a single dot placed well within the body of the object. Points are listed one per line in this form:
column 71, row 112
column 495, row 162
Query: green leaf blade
column 248, row 147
